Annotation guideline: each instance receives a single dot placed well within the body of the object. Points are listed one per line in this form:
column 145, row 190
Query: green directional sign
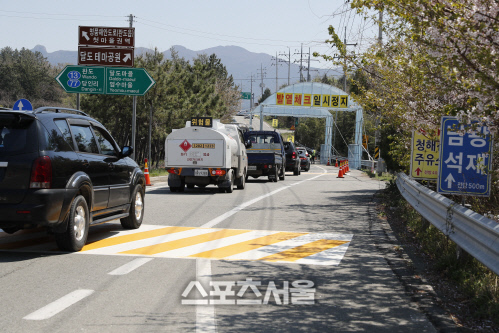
column 105, row 80
column 245, row 95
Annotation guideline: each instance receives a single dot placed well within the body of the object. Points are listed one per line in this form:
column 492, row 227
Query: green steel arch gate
column 316, row 100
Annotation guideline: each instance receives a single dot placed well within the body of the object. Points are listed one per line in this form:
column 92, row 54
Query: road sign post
column 424, row 157
column 104, row 80
column 22, row 105
column 105, row 56
column 465, row 159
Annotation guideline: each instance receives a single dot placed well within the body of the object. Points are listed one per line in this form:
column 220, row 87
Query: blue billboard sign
column 465, row 158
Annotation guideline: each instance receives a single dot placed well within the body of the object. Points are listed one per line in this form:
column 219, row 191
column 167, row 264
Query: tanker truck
column 206, row 152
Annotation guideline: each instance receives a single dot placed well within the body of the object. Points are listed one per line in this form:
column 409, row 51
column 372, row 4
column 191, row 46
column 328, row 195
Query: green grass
column 158, row 172
column 472, row 278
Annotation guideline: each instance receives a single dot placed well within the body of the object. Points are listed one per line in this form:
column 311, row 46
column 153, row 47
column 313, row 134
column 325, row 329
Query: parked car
column 61, row 169
column 292, row 158
column 304, row 158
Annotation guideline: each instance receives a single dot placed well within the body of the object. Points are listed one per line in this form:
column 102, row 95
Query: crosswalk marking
column 133, row 237
column 172, row 245
column 249, row 245
column 303, row 251
column 195, row 242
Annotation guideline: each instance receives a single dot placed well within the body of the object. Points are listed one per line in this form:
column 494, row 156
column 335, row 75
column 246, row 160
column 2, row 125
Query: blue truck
column 267, row 156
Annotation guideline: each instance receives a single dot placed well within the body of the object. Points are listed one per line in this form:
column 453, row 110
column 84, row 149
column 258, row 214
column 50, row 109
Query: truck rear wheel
column 242, row 182
column 282, row 175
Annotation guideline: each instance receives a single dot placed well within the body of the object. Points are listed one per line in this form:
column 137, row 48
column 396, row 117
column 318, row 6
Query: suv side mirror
column 126, row 151
column 248, row 144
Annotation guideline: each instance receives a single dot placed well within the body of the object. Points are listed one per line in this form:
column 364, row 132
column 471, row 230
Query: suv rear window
column 17, row 134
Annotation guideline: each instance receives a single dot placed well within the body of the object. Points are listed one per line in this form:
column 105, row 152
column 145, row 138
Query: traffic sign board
column 105, row 56
column 465, row 159
column 22, row 105
column 106, row 36
column 245, row 95
column 105, row 80
column 424, row 157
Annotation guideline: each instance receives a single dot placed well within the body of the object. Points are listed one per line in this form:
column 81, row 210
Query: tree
column 266, row 93
column 29, row 75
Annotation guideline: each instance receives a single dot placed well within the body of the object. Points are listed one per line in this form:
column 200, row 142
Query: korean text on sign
column 424, row 157
column 465, row 158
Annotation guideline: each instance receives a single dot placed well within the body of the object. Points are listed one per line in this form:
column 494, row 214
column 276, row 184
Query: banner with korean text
column 312, row 100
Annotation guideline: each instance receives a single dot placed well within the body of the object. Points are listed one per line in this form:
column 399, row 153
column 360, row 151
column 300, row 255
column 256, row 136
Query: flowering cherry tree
column 440, row 57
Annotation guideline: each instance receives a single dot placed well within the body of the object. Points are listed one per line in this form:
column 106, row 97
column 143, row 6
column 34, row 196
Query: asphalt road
column 298, row 255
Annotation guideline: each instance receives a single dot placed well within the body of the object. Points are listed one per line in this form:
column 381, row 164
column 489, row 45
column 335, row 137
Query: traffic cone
column 340, row 172
column 336, row 164
column 146, row 174
column 347, row 169
column 328, row 162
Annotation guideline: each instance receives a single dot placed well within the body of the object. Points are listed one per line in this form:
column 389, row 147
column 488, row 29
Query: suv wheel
column 136, row 212
column 75, row 236
column 296, row 171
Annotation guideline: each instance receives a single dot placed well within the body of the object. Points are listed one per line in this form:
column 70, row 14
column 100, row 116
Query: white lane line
column 59, row 305
column 113, row 249
column 129, row 267
column 214, row 244
column 205, row 314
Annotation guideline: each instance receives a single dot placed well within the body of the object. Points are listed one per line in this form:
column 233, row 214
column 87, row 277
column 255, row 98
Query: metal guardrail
column 367, row 164
column 474, row 233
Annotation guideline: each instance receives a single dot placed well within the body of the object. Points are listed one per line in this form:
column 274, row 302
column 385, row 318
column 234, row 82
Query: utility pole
column 262, row 74
column 309, row 77
column 276, row 72
column 301, row 61
column 134, row 116
column 289, row 62
column 251, row 103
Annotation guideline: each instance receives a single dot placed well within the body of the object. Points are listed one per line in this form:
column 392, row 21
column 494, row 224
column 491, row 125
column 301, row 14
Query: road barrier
column 474, row 233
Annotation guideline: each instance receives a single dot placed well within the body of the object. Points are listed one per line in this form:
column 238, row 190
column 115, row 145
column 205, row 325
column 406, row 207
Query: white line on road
column 205, row 314
column 59, row 305
column 129, row 267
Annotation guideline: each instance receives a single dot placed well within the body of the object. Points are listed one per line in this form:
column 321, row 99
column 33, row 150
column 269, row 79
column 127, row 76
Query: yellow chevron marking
column 168, row 246
column 247, row 245
column 133, row 237
column 303, row 251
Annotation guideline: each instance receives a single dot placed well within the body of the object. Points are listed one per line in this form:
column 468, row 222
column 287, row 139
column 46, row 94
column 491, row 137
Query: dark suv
column 61, row 169
column 292, row 158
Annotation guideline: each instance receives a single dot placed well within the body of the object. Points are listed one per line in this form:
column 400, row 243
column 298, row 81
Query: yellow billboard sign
column 424, row 157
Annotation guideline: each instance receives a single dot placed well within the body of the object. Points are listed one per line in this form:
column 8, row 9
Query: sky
column 261, row 26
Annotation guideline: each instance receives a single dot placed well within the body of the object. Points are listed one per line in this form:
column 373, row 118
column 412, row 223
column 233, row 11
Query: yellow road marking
column 252, row 244
column 133, row 237
column 303, row 251
column 173, row 245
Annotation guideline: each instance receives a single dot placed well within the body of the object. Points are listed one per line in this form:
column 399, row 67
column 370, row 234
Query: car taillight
column 41, row 174
column 294, row 155
column 217, row 172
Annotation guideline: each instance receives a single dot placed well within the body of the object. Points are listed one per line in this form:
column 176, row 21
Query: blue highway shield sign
column 465, row 159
